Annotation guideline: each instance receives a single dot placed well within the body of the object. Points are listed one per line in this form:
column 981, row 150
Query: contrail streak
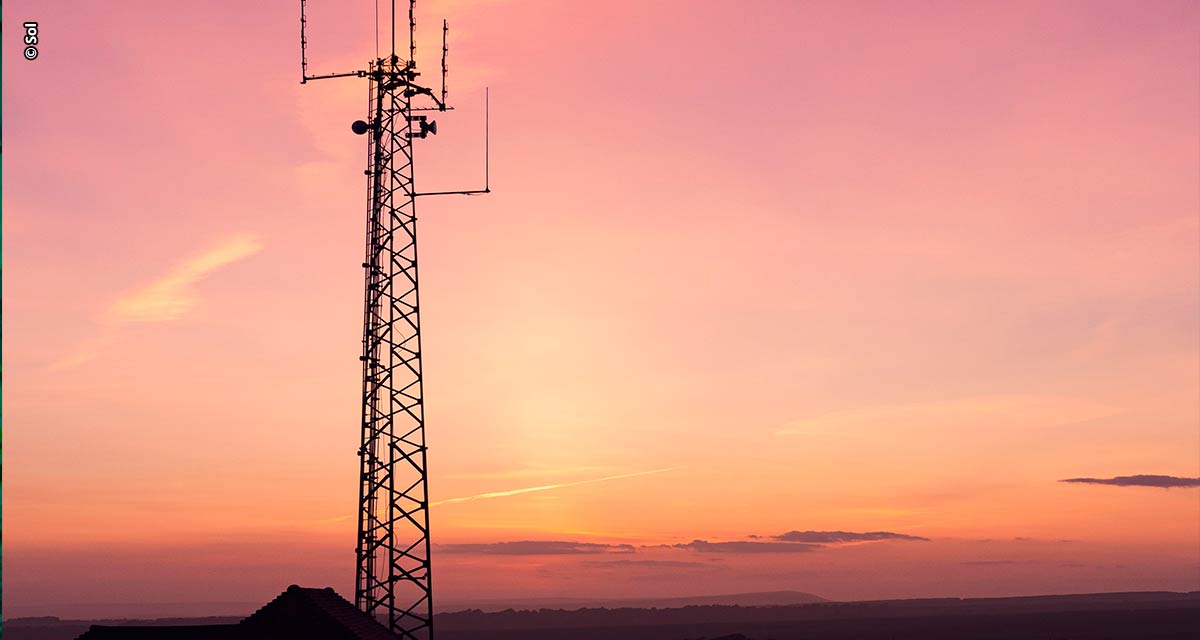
column 547, row 487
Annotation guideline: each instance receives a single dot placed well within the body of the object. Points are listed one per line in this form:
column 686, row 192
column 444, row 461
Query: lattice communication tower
column 393, row 578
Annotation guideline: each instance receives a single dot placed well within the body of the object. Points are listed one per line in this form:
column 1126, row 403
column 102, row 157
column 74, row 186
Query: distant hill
column 757, row 599
column 1158, row 615
column 52, row 628
column 707, row 619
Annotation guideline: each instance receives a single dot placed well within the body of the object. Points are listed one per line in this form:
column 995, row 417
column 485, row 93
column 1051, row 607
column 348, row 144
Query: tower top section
column 391, row 66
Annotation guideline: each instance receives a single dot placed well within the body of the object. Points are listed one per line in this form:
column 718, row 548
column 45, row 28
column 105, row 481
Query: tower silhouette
column 393, row 578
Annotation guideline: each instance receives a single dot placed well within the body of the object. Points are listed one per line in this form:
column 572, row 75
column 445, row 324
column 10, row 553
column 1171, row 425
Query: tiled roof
column 318, row 608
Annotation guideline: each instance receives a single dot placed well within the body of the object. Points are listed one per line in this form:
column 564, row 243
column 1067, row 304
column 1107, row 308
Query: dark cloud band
column 1163, row 482
column 745, row 546
column 790, row 542
column 824, row 537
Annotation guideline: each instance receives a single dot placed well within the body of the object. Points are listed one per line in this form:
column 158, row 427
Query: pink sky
column 747, row 269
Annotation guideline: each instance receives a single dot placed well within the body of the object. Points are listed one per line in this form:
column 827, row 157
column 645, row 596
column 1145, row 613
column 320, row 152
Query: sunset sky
column 756, row 280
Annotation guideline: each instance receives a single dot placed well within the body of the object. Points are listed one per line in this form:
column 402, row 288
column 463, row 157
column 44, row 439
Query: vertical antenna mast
column 392, row 578
column 303, row 47
column 445, row 31
column 412, row 31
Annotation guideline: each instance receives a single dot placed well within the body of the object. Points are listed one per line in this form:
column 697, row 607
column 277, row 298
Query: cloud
column 1071, row 564
column 536, row 548
column 84, row 354
column 842, row 536
column 1025, row 539
column 171, row 295
column 745, row 546
column 1163, row 482
column 166, row 298
column 547, row 487
column 790, row 542
column 650, row 564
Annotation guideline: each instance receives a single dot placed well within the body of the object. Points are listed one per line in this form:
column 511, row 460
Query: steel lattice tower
column 393, row 521
column 393, row 577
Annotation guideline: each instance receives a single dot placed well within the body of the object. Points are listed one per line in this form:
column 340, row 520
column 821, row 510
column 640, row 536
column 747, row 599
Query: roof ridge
column 325, row 604
column 269, row 603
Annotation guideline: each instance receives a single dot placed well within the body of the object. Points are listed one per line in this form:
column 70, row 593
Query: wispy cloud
column 790, row 542
column 746, row 546
column 81, row 355
column 548, row 487
column 536, row 548
column 1162, row 482
column 171, row 295
column 166, row 298
column 650, row 564
column 843, row 536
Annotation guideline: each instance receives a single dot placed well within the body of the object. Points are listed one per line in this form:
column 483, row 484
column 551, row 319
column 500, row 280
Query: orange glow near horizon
column 806, row 267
